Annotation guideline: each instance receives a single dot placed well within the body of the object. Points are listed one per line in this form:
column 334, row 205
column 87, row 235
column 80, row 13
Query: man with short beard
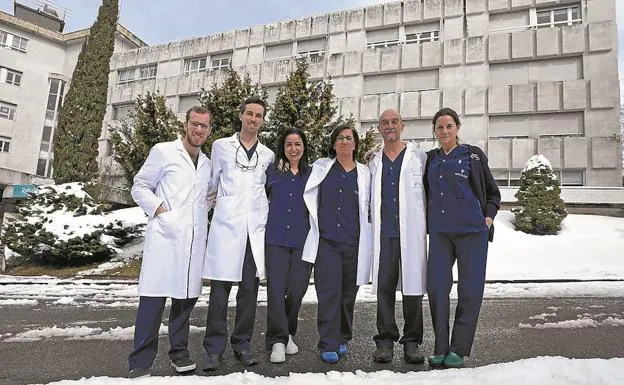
column 399, row 239
column 171, row 187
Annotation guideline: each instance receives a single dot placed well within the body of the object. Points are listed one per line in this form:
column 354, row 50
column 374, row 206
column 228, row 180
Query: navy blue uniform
column 457, row 231
column 335, row 269
column 286, row 230
column 390, row 265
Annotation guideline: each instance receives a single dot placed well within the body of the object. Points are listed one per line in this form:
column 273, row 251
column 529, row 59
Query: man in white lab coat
column 399, row 240
column 235, row 250
column 171, row 187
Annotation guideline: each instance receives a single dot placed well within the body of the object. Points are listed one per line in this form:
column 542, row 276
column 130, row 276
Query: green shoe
column 453, row 360
column 436, row 361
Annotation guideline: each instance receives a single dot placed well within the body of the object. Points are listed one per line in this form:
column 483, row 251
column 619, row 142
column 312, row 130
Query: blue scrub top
column 339, row 218
column 287, row 223
column 453, row 206
column 390, row 175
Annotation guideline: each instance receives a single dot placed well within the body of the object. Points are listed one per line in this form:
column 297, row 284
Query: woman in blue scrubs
column 462, row 201
column 339, row 243
column 286, row 230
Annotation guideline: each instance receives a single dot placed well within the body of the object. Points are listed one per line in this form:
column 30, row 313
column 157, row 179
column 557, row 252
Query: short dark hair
column 334, row 136
column 446, row 112
column 198, row 110
column 281, row 158
column 253, row 100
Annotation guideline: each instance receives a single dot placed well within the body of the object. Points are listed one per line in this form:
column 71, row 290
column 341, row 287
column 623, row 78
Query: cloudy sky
column 169, row 20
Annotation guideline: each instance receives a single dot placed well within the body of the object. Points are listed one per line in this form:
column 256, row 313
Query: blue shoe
column 342, row 350
column 330, row 357
column 453, row 360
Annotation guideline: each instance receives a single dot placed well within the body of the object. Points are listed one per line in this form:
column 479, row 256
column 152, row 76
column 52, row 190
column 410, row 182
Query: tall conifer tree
column 80, row 118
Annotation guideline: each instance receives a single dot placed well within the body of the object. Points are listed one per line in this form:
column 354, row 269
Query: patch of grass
column 54, row 271
column 130, row 269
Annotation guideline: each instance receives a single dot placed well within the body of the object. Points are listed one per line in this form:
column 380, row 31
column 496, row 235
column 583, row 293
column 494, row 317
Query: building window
column 148, row 72
column 382, row 38
column 422, row 37
column 10, row 76
column 220, row 63
column 195, row 65
column 7, row 110
column 5, row 144
column 14, row 42
column 546, row 18
column 126, row 76
column 55, row 98
column 130, row 74
column 46, row 139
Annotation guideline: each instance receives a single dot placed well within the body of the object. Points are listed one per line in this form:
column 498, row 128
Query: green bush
column 541, row 209
column 62, row 226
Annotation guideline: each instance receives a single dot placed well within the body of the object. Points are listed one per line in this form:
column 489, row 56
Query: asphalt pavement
column 502, row 336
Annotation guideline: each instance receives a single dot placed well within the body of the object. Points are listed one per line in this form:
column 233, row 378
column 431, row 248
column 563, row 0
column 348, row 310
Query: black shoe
column 212, row 362
column 246, row 357
column 383, row 355
column 183, row 365
column 139, row 373
column 412, row 354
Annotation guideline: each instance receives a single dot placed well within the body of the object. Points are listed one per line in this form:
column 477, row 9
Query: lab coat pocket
column 166, row 224
column 416, row 181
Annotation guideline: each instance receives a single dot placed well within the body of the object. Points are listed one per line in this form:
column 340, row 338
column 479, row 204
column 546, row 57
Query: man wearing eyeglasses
column 171, row 188
column 235, row 251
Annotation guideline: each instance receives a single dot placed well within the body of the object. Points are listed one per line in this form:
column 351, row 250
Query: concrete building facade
column 526, row 76
column 36, row 64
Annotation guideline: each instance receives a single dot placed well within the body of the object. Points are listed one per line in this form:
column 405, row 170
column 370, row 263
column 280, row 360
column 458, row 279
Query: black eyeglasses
column 195, row 124
column 246, row 167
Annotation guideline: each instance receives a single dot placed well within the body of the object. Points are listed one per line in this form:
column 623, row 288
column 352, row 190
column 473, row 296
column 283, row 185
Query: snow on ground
column 540, row 370
column 117, row 333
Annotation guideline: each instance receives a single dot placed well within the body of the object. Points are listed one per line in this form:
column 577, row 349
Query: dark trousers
column 335, row 280
column 470, row 251
column 387, row 279
column 148, row 319
column 215, row 339
column 288, row 278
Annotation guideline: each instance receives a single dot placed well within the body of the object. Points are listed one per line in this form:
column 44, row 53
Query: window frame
column 221, row 63
column 551, row 13
column 189, row 62
column 14, row 74
column 5, row 143
column 418, row 38
column 8, row 110
column 145, row 72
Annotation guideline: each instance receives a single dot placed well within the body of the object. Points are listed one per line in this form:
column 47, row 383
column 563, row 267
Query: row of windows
column 558, row 16
column 14, row 42
column 511, row 178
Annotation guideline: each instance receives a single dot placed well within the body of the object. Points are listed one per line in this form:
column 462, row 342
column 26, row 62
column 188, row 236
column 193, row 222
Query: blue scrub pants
column 335, row 280
column 148, row 319
column 288, row 278
column 387, row 279
column 470, row 251
column 215, row 339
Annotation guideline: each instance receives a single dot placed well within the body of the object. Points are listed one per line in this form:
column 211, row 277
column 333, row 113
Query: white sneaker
column 291, row 348
column 278, row 353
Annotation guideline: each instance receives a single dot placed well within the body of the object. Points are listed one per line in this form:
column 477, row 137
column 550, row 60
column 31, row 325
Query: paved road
column 500, row 338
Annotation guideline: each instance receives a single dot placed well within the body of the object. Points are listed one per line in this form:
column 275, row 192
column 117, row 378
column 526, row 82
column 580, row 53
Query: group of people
column 276, row 216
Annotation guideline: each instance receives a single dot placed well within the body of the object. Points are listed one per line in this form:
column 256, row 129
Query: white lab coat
column 412, row 220
column 175, row 241
column 241, row 209
column 320, row 170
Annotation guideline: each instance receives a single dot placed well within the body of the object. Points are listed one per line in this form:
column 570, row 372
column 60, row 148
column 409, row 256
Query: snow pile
column 540, row 370
column 62, row 225
column 538, row 163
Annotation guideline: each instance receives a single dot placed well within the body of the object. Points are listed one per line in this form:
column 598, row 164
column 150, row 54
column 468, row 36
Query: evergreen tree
column 80, row 118
column 224, row 101
column 541, row 208
column 309, row 106
column 152, row 122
